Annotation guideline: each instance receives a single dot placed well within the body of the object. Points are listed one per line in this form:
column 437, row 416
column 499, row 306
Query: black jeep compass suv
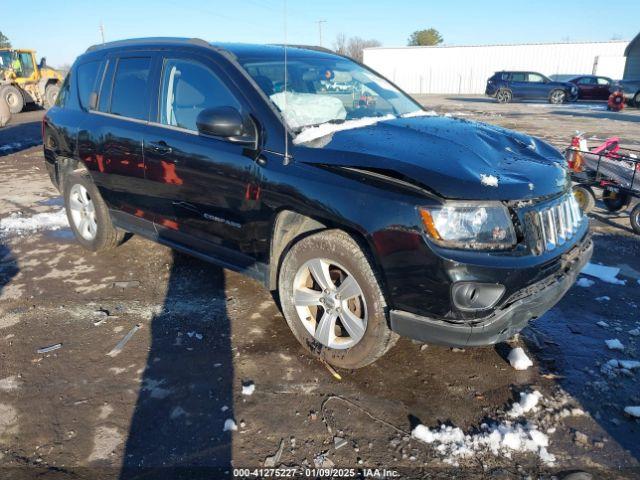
column 370, row 217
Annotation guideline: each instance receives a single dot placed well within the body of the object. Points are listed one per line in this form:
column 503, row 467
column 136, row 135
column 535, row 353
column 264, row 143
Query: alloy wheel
column 83, row 212
column 330, row 303
column 557, row 97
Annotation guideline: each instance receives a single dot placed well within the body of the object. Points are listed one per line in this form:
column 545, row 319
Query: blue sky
column 69, row 27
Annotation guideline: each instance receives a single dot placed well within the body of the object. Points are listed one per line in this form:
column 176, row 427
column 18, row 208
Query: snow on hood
column 450, row 156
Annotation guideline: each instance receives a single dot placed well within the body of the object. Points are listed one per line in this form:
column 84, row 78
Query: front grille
column 554, row 223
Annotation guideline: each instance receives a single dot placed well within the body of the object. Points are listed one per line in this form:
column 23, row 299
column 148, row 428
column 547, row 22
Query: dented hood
column 453, row 157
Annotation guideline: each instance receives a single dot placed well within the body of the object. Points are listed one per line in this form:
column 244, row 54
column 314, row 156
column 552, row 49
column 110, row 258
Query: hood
column 455, row 158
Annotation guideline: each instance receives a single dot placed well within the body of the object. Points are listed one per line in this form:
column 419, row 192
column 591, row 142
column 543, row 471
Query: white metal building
column 632, row 67
column 465, row 69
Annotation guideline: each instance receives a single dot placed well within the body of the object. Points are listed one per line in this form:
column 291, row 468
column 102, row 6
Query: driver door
column 204, row 187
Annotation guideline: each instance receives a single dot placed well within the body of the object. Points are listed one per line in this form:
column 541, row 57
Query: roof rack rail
column 149, row 41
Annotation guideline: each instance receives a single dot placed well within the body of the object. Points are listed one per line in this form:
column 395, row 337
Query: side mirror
column 223, row 122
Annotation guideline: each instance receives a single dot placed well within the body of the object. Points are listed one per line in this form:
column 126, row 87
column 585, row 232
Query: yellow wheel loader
column 23, row 81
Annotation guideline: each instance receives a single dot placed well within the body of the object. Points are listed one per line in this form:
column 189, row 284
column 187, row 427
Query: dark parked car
column 631, row 91
column 508, row 86
column 370, row 219
column 591, row 87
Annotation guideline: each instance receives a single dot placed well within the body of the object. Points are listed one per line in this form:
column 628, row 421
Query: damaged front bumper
column 523, row 306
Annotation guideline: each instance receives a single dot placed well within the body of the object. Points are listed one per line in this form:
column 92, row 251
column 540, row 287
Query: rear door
column 111, row 142
column 205, row 187
column 518, row 85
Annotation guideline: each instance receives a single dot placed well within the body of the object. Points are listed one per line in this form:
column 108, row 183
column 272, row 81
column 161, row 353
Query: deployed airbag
column 302, row 109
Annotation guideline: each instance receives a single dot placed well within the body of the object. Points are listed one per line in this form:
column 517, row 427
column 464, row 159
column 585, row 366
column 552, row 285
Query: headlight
column 469, row 226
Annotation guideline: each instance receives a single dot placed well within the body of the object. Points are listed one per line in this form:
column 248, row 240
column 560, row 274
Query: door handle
column 161, row 147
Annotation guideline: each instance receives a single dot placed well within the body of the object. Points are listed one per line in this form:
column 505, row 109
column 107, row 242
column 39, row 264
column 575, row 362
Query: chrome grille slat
column 557, row 222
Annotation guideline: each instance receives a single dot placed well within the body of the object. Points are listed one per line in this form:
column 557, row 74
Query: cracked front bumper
column 523, row 306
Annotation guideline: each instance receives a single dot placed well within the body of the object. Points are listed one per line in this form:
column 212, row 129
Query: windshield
column 5, row 59
column 327, row 89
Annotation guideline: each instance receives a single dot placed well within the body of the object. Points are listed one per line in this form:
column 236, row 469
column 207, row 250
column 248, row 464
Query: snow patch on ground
column 614, row 344
column 248, row 388
column 528, row 402
column 604, row 273
column 518, row 359
column 312, row 133
column 488, row 180
column 498, row 438
column 17, row 224
column 633, row 411
column 229, row 425
column 585, row 282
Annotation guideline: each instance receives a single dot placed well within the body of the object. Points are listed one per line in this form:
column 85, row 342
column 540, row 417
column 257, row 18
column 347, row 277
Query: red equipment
column 616, row 102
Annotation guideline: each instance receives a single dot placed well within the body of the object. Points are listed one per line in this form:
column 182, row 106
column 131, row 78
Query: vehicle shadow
column 569, row 342
column 603, row 115
column 17, row 137
column 8, row 265
column 186, row 392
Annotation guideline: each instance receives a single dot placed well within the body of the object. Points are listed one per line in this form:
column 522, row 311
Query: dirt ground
column 157, row 408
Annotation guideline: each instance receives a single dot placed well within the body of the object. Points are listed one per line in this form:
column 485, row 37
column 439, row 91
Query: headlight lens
column 469, row 226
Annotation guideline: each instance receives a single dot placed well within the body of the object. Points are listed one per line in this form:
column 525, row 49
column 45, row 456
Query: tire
column 635, row 219
column 614, row 201
column 50, row 95
column 636, row 100
column 13, row 97
column 337, row 254
column 557, row 97
column 83, row 202
column 585, row 197
column 504, row 95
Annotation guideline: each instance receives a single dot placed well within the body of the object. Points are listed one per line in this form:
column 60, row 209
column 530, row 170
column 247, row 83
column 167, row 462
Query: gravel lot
column 157, row 407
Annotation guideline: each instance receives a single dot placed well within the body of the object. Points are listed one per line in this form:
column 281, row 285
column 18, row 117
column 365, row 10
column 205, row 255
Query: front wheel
column 332, row 300
column 635, row 219
column 636, row 100
column 557, row 97
column 13, row 97
column 88, row 214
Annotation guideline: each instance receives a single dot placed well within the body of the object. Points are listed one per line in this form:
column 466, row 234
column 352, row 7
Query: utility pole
column 320, row 22
column 102, row 31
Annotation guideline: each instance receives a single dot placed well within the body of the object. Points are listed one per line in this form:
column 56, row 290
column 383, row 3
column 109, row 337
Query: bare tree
column 4, row 41
column 340, row 45
column 353, row 47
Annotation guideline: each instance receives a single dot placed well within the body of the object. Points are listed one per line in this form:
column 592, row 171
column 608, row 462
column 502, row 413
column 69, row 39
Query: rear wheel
column 50, row 95
column 635, row 219
column 332, row 301
column 13, row 97
column 585, row 197
column 636, row 100
column 504, row 95
column 88, row 214
column 557, row 97
column 613, row 200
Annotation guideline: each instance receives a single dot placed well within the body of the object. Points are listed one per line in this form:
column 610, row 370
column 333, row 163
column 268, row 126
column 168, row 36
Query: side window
column 535, row 78
column 88, row 80
column 603, row 81
column 586, row 81
column 26, row 62
column 63, row 95
column 187, row 88
column 518, row 77
column 130, row 95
